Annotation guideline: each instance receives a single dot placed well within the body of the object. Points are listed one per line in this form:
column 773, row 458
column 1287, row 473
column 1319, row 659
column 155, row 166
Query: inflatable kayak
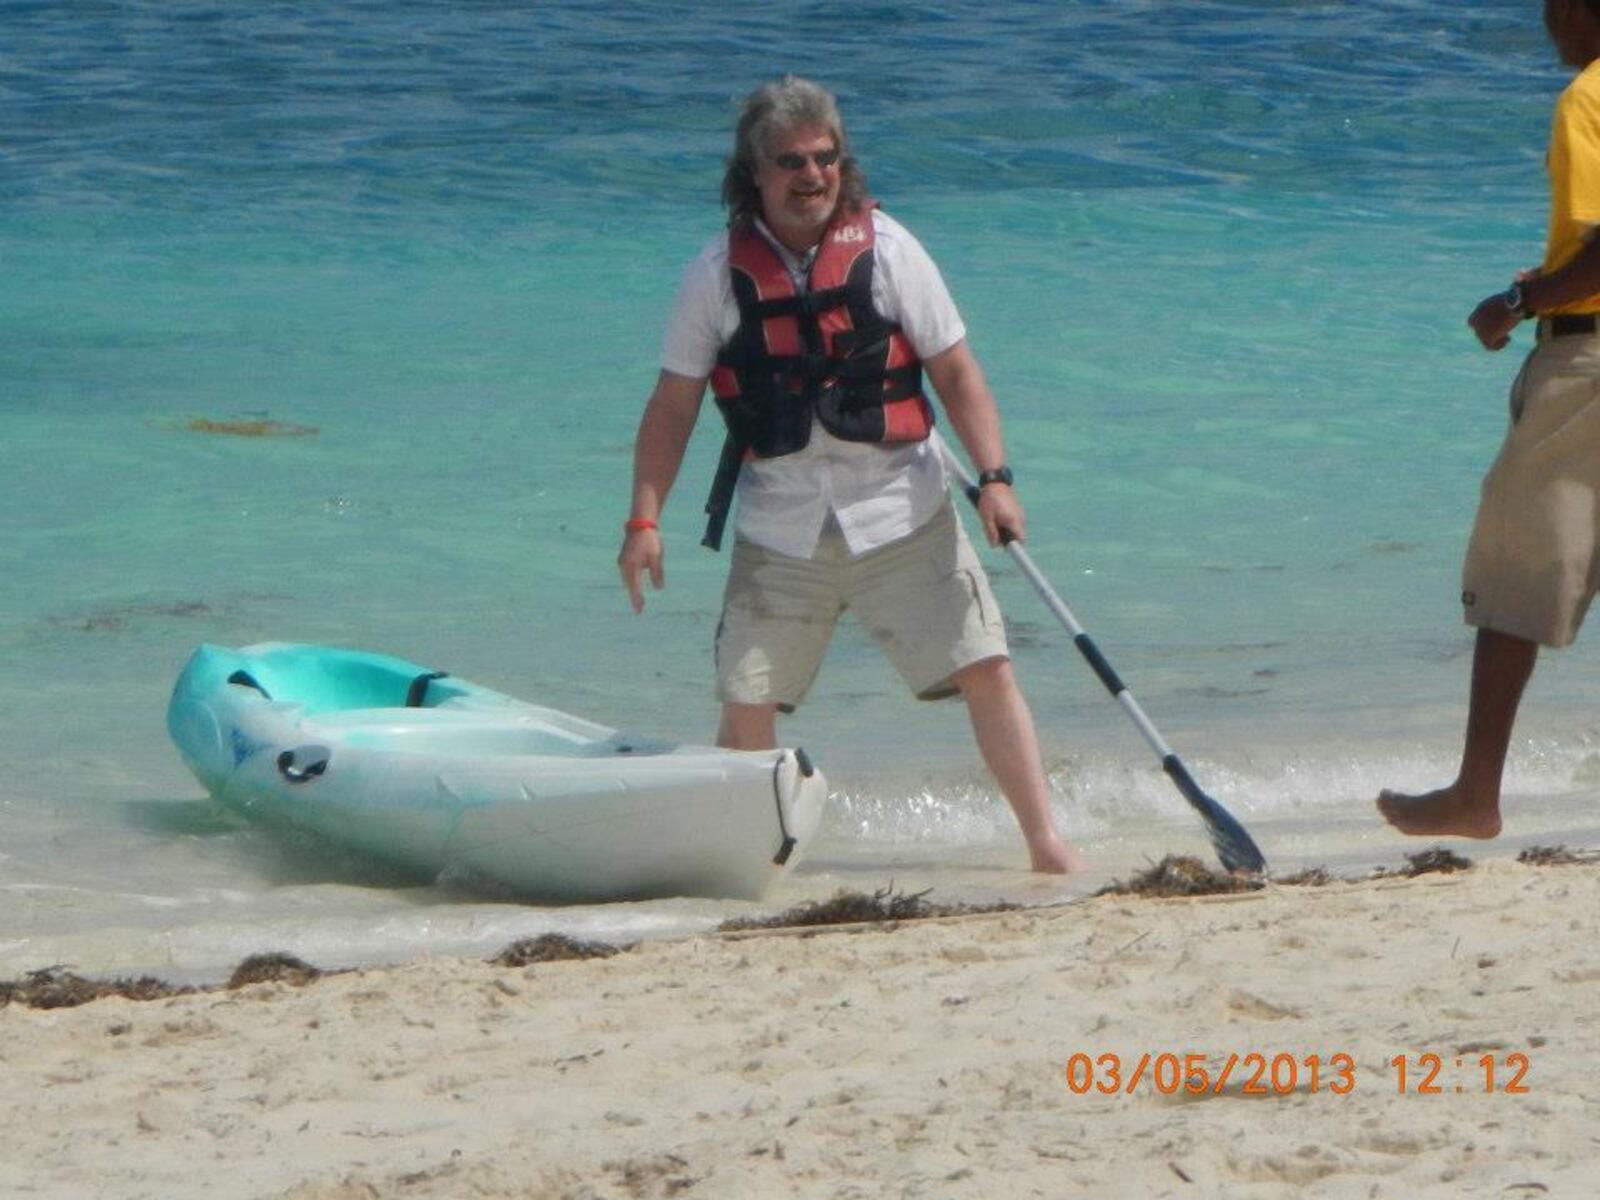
column 420, row 768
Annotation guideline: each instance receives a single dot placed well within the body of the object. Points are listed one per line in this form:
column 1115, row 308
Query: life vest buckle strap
column 778, row 306
column 813, row 303
column 720, row 501
column 902, row 382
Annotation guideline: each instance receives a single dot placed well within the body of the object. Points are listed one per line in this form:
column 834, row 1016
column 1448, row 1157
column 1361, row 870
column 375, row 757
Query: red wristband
column 635, row 523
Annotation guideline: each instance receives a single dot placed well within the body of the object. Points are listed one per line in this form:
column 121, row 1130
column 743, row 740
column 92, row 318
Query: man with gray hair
column 814, row 318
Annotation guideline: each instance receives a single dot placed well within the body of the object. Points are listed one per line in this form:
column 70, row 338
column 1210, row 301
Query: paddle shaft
column 1234, row 846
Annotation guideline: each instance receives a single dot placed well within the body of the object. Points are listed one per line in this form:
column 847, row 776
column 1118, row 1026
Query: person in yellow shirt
column 1533, row 563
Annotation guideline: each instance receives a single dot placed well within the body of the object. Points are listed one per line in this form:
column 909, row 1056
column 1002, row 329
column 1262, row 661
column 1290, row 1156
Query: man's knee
column 748, row 726
column 985, row 676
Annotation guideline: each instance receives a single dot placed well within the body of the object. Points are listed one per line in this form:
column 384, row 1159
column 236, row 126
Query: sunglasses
column 795, row 160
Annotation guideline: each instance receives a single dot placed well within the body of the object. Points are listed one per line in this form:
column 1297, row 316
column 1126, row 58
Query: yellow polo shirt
column 1574, row 168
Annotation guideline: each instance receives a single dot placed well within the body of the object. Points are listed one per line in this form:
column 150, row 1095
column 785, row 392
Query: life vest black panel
column 825, row 352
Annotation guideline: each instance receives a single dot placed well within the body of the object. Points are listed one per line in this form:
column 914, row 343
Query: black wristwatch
column 1514, row 299
column 1000, row 474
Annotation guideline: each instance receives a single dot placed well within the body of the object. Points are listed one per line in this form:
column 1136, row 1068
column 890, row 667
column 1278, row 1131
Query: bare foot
column 1447, row 811
column 1053, row 856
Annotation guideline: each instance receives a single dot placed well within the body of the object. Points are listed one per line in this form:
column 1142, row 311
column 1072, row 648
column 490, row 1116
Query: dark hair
column 768, row 112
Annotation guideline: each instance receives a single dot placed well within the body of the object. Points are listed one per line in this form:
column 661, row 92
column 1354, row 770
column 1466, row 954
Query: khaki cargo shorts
column 924, row 599
column 1531, row 565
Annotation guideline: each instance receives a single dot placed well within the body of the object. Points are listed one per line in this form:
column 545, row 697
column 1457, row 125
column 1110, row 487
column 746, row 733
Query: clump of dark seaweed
column 246, row 424
column 1434, row 861
column 248, row 427
column 551, row 947
column 1556, row 856
column 856, row 908
column 113, row 620
column 54, row 987
column 273, row 967
column 1181, row 875
column 1310, row 877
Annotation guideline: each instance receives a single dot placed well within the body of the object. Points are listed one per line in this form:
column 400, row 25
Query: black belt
column 1569, row 324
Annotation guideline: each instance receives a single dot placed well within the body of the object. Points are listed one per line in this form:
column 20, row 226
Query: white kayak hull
column 452, row 778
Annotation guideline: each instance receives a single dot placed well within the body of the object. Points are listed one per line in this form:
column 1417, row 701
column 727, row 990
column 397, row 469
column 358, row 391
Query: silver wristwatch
column 1514, row 300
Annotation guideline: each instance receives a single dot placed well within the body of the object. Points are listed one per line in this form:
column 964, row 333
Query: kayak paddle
column 1233, row 845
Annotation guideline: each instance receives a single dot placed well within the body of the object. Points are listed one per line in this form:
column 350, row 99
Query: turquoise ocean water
column 1215, row 257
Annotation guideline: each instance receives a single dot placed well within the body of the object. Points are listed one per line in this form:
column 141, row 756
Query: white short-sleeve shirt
column 878, row 493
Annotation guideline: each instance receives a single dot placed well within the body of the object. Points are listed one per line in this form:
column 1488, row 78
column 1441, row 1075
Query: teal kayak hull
column 435, row 773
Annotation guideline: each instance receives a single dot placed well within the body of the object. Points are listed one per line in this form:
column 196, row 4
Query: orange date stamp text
column 1262, row 1073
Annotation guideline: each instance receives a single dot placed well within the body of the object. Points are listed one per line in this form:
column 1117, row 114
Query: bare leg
column 748, row 727
column 1470, row 807
column 1004, row 730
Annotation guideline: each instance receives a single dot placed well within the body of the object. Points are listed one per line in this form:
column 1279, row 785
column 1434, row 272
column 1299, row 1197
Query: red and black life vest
column 824, row 353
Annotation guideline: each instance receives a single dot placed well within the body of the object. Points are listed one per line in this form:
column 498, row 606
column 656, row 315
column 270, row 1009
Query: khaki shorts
column 1531, row 565
column 924, row 599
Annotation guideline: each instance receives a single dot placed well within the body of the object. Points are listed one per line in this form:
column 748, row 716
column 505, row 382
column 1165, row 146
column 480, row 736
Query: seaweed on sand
column 54, row 987
column 1557, row 856
column 1310, row 877
column 1181, row 875
column 551, row 947
column 275, row 967
column 856, row 908
column 1434, row 861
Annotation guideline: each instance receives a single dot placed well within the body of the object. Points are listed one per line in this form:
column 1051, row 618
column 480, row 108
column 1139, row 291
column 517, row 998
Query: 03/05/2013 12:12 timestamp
column 1263, row 1074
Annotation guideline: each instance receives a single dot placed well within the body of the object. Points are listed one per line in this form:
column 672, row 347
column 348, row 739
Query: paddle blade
column 1233, row 845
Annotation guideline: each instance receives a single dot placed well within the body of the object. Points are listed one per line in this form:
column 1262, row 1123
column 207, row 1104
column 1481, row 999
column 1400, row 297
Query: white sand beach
column 926, row 1060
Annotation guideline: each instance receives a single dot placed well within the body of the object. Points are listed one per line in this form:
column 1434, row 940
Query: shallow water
column 1215, row 260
